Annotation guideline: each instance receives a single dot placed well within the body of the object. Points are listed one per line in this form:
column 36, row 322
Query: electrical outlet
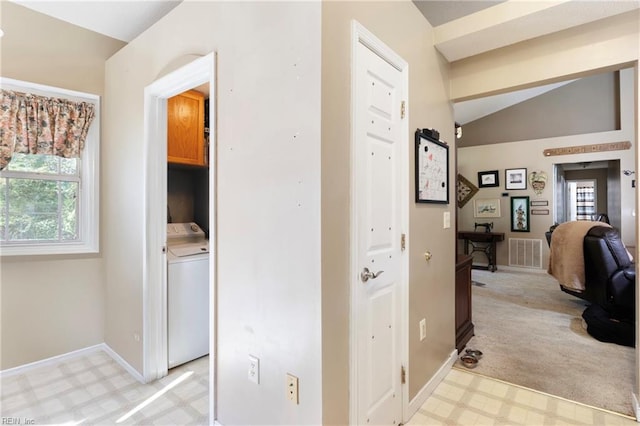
column 423, row 329
column 446, row 219
column 254, row 369
column 292, row 388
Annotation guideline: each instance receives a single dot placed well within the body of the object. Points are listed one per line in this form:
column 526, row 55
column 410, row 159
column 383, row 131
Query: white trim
column 54, row 360
column 89, row 207
column 359, row 34
column 426, row 391
column 43, row 89
column 193, row 74
column 635, row 405
column 121, row 361
column 508, row 268
column 511, row 268
column 47, row 362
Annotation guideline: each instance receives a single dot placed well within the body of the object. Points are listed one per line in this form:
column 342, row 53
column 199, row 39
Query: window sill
column 49, row 249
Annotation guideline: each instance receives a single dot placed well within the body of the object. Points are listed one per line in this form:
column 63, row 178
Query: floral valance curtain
column 31, row 124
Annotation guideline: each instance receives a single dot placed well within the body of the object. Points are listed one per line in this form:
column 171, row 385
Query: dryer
column 187, row 293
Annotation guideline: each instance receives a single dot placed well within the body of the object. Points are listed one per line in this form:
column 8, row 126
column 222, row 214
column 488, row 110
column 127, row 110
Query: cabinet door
column 185, row 129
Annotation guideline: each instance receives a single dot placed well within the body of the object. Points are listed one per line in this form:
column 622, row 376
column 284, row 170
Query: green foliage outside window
column 39, row 202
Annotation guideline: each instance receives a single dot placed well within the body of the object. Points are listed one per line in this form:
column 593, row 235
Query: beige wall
column 586, row 50
column 268, row 197
column 431, row 285
column 588, row 105
column 50, row 305
column 528, row 154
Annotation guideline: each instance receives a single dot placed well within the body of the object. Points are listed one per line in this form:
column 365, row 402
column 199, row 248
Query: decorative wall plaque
column 538, row 180
column 466, row 190
column 584, row 149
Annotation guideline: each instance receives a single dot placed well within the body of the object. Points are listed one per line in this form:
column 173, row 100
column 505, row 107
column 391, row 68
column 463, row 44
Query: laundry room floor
column 94, row 389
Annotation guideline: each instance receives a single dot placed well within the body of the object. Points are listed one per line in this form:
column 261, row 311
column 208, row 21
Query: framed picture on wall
column 486, row 208
column 488, row 179
column 519, row 214
column 515, row 178
column 432, row 170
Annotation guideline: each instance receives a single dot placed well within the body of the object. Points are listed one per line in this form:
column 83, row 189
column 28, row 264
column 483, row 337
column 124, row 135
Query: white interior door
column 380, row 179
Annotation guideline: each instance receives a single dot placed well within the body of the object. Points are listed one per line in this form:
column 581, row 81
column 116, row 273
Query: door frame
column 154, row 291
column 359, row 34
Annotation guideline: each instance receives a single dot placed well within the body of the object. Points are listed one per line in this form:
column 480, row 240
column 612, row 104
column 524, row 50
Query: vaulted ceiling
column 462, row 28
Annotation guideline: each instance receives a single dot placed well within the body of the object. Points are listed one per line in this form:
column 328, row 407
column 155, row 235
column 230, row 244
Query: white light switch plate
column 254, row 370
column 447, row 220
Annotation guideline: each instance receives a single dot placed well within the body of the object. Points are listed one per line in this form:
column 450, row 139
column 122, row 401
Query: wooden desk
column 484, row 242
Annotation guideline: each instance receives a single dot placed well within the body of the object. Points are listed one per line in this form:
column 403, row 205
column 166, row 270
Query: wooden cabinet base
column 464, row 326
column 463, row 335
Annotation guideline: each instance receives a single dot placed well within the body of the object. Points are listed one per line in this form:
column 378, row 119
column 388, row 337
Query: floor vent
column 525, row 252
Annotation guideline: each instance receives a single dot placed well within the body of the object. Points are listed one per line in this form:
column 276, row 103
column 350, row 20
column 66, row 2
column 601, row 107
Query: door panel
column 378, row 204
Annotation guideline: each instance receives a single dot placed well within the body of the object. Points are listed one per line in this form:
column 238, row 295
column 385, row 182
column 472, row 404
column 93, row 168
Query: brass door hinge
column 403, row 242
column 402, row 109
column 403, row 375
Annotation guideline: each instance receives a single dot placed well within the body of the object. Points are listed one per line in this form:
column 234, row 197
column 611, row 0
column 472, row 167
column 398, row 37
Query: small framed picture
column 488, row 179
column 519, row 214
column 537, row 203
column 515, row 178
column 486, row 208
column 540, row 211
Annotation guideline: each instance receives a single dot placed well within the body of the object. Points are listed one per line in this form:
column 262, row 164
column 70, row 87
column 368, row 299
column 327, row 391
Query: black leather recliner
column 610, row 274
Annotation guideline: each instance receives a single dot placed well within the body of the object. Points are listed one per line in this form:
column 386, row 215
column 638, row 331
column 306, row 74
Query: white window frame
column 89, row 191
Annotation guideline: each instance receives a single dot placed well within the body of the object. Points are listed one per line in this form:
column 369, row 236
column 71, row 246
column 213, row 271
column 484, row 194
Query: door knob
column 366, row 275
column 427, row 256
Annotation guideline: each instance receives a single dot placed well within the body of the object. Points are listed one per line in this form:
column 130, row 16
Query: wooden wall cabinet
column 464, row 326
column 185, row 129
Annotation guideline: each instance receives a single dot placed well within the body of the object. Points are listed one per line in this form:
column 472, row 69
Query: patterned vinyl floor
column 464, row 398
column 94, row 390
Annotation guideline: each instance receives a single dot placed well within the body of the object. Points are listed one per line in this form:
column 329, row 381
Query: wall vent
column 525, row 252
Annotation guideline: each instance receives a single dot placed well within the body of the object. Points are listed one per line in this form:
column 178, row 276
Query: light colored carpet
column 531, row 335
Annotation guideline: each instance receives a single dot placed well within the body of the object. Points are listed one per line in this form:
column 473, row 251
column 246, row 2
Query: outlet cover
column 292, row 388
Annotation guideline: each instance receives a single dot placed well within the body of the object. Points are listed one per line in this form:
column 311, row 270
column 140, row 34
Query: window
column 582, row 199
column 49, row 204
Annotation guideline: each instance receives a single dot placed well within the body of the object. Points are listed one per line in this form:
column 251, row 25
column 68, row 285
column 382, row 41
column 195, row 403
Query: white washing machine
column 187, row 293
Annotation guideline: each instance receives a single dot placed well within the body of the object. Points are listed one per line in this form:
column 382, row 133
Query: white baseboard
column 636, row 405
column 507, row 268
column 427, row 389
column 47, row 362
column 124, row 364
column 50, row 361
